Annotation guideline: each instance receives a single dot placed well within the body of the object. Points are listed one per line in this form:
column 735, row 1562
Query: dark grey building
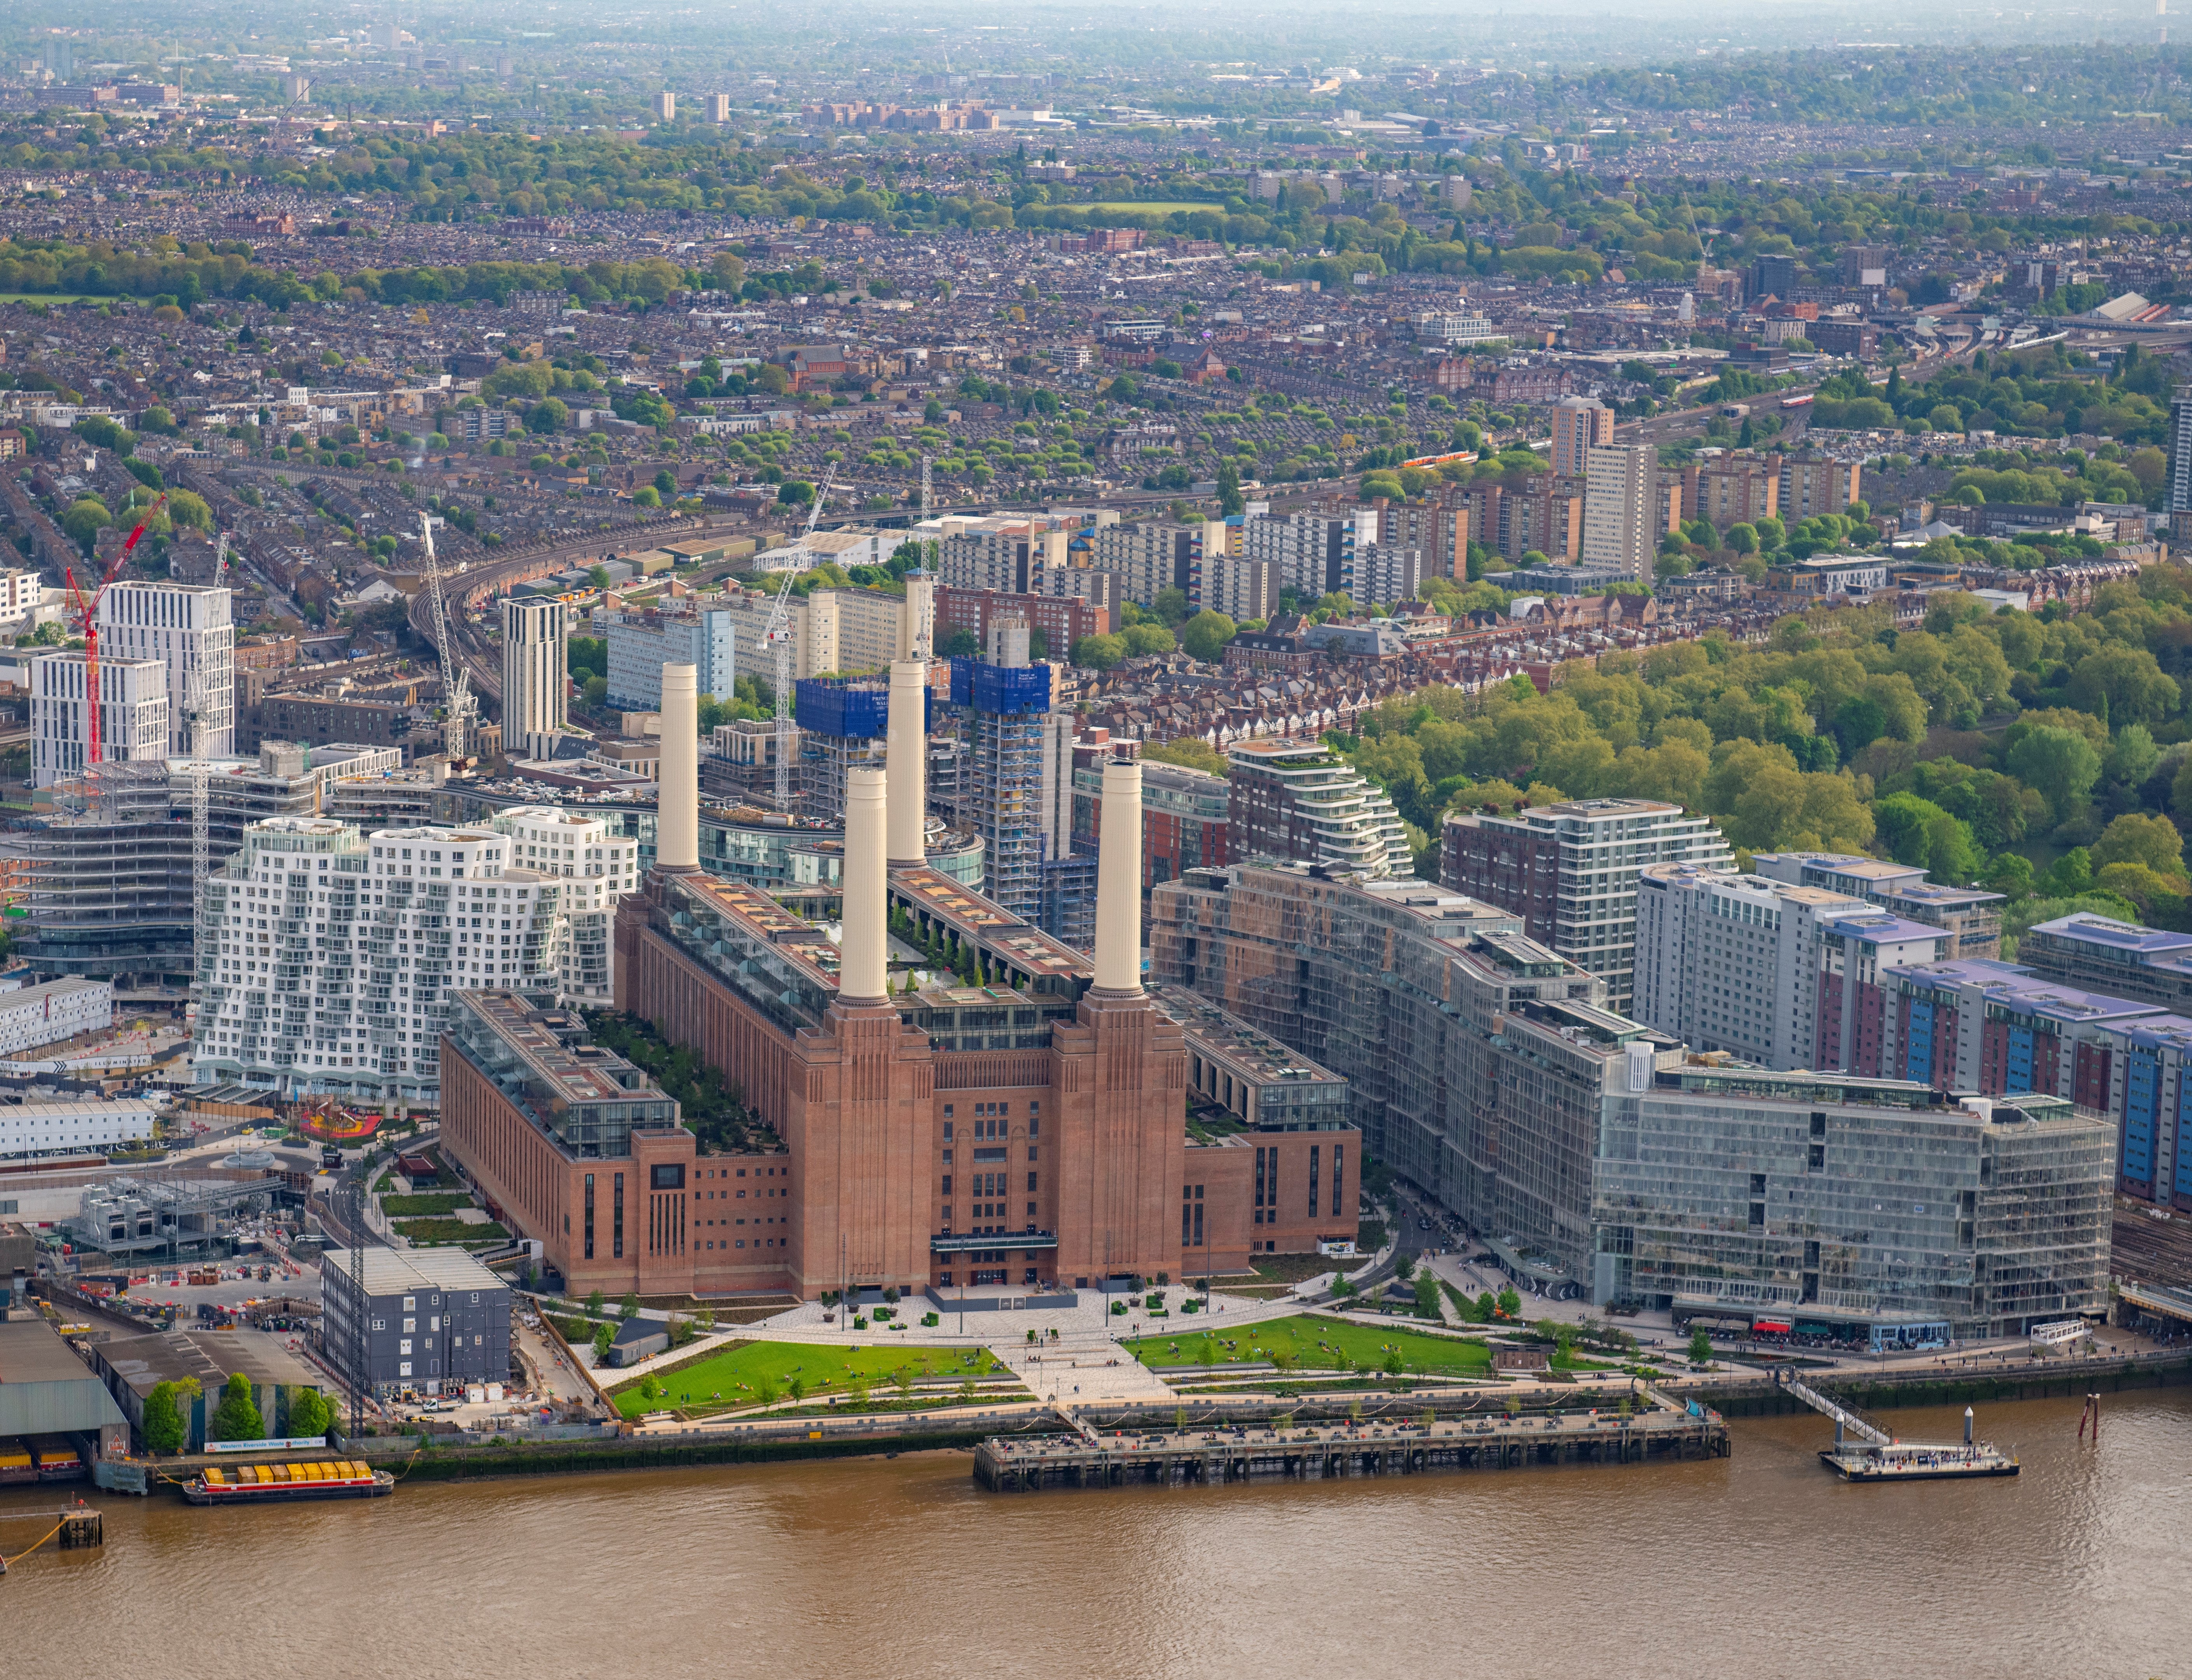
column 435, row 1318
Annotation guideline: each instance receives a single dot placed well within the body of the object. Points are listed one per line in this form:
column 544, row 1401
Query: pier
column 76, row 1528
column 1864, row 1452
column 1324, row 1450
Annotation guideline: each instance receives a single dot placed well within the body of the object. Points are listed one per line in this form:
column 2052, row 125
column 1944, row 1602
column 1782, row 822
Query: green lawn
column 416, row 1207
column 1162, row 208
column 436, row 1231
column 733, row 1375
column 1310, row 1342
column 48, row 298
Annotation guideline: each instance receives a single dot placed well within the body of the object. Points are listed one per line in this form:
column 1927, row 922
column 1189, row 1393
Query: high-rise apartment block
column 1240, row 588
column 133, row 715
column 188, row 630
column 1969, row 915
column 1580, row 425
column 1287, row 801
column 642, row 640
column 1776, row 974
column 1383, row 576
column 1151, row 557
column 1738, row 488
column 1815, row 484
column 1570, row 871
column 1594, row 1155
column 337, row 954
column 1314, row 553
column 1001, row 793
column 664, row 106
column 1544, row 514
column 2180, row 450
column 1621, row 532
column 536, row 684
column 719, row 110
column 1435, row 525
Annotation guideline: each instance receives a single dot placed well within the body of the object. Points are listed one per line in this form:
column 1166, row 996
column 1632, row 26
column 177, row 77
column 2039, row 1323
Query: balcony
column 968, row 1242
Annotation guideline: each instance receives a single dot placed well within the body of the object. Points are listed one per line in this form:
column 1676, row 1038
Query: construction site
column 110, row 865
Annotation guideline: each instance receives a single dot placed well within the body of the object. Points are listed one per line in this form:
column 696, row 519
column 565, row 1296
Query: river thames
column 1761, row 1565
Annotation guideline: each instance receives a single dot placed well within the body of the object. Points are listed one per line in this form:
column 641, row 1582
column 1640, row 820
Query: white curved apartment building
column 595, row 870
column 1301, row 802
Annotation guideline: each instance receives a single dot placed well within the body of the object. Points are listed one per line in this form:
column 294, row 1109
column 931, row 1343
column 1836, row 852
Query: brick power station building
column 1026, row 1135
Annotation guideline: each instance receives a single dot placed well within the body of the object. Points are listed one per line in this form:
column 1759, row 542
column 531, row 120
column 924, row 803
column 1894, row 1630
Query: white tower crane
column 456, row 681
column 778, row 638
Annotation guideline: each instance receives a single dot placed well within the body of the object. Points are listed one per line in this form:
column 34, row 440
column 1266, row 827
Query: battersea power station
column 1055, row 1126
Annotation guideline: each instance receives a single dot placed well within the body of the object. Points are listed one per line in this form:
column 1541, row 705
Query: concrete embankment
column 1753, row 1394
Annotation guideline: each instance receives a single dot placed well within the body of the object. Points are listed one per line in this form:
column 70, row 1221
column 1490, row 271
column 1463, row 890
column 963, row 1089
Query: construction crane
column 777, row 637
column 197, row 710
column 456, row 680
column 86, row 608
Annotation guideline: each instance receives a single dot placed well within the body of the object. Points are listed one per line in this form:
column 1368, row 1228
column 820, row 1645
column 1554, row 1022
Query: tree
column 1229, row 499
column 1099, row 653
column 1191, row 751
column 309, row 1413
column 549, row 414
column 2124, row 685
column 1205, row 635
column 236, row 1417
column 1427, row 1297
column 1171, row 606
column 2132, row 838
column 2061, row 767
column 727, row 272
column 647, row 497
column 1700, row 1347
column 629, row 1309
column 1919, row 833
column 961, row 643
column 167, row 1427
column 1142, row 640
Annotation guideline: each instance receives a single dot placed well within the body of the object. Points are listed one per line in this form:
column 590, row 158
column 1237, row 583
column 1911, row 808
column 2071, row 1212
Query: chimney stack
column 863, row 948
column 677, row 807
column 1119, row 883
column 907, row 759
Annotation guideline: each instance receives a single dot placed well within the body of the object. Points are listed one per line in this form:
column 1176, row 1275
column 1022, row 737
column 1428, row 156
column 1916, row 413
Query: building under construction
column 107, row 873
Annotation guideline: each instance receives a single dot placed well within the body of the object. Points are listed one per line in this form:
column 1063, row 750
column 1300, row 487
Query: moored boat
column 262, row 1484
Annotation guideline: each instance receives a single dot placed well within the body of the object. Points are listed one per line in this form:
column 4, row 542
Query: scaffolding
column 109, row 876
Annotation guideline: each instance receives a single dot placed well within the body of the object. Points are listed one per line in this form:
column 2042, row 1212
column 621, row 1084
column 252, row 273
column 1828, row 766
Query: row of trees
column 2041, row 756
column 235, row 1417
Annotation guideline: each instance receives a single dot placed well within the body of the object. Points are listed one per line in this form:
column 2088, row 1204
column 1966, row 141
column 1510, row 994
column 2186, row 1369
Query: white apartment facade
column 1738, row 963
column 190, row 630
column 536, row 704
column 338, row 950
column 595, row 870
column 133, row 715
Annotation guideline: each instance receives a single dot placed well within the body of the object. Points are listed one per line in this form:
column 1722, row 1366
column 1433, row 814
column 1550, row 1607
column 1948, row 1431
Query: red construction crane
column 87, row 614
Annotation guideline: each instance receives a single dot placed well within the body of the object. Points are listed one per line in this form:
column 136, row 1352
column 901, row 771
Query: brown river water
column 1759, row 1565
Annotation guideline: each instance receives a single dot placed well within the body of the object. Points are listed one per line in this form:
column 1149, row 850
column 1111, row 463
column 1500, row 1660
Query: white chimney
column 908, row 759
column 863, row 948
column 677, row 807
column 1119, row 882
